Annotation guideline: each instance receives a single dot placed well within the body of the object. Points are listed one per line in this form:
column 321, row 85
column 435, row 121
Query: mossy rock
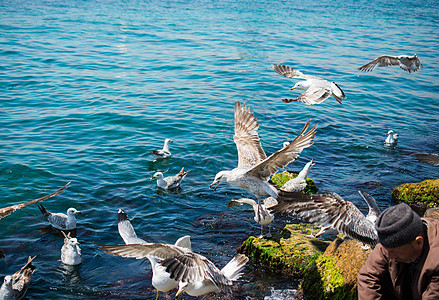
column 288, row 253
column 419, row 195
column 281, row 178
column 334, row 274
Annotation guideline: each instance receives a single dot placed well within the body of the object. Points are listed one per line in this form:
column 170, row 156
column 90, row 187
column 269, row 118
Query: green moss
column 289, row 253
column 419, row 195
column 281, row 178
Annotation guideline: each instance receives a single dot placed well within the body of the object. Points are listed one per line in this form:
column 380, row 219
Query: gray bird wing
column 246, row 137
column 286, row 155
column 6, row 211
column 139, row 251
column 291, row 73
column 428, row 158
column 314, row 95
column 382, row 61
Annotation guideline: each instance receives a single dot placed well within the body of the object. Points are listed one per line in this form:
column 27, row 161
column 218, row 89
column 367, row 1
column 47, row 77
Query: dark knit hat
column 397, row 226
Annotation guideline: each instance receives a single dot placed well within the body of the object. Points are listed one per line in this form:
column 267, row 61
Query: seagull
column 428, row 158
column 254, row 167
column 163, row 153
column 298, row 183
column 6, row 211
column 171, row 181
column 59, row 220
column 195, row 273
column 161, row 279
column 70, row 251
column 405, row 62
column 15, row 286
column 392, row 139
column 316, row 89
column 264, row 216
column 333, row 213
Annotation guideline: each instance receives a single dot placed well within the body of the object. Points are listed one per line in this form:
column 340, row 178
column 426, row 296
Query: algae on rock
column 419, row 195
column 334, row 274
column 281, row 178
column 289, row 253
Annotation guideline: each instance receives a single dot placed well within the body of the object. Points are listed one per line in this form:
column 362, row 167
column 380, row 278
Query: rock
column 288, row 253
column 334, row 274
column 419, row 195
column 281, row 178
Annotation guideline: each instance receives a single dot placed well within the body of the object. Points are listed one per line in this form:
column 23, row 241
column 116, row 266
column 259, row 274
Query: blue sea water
column 89, row 87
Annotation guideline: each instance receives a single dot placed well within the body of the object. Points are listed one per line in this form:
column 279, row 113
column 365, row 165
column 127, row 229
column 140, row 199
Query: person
column 405, row 262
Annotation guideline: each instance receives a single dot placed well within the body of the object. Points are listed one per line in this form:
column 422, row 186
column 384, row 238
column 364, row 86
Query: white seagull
column 59, row 220
column 161, row 280
column 195, row 273
column 333, row 213
column 405, row 62
column 6, row 211
column 298, row 183
column 15, row 286
column 428, row 158
column 254, row 167
column 163, row 153
column 316, row 89
column 170, row 182
column 392, row 138
column 264, row 216
column 70, row 251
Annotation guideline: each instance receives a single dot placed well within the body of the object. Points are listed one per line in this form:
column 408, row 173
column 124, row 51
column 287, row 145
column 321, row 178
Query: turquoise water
column 89, row 87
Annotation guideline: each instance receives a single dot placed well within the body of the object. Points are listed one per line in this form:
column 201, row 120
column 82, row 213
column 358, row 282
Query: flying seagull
column 254, row 167
column 6, row 211
column 161, row 279
column 170, row 182
column 15, row 286
column 316, row 89
column 392, row 138
column 70, row 251
column 163, row 153
column 333, row 213
column 428, row 158
column 59, row 220
column 405, row 62
column 195, row 273
column 262, row 217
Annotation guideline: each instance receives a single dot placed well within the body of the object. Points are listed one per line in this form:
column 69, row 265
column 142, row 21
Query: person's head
column 400, row 233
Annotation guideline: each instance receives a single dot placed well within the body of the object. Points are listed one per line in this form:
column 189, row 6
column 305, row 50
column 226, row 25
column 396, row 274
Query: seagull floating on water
column 298, row 183
column 405, row 62
column 70, row 251
column 428, row 158
column 163, row 153
column 195, row 273
column 15, row 286
column 333, row 213
column 161, row 280
column 264, row 216
column 59, row 220
column 6, row 211
column 254, row 167
column 392, row 138
column 170, row 182
column 316, row 89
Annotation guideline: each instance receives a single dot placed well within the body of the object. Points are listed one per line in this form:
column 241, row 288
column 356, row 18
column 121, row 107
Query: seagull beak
column 181, row 289
column 293, row 88
column 78, row 212
column 217, row 184
column 152, row 177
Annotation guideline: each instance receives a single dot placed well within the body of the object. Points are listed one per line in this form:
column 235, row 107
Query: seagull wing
column 329, row 210
column 126, row 230
column 428, row 158
column 314, row 95
column 409, row 63
column 374, row 209
column 291, row 73
column 138, row 251
column 6, row 211
column 270, row 202
column 246, row 137
column 192, row 267
column 382, row 61
column 286, row 155
column 58, row 220
column 233, row 203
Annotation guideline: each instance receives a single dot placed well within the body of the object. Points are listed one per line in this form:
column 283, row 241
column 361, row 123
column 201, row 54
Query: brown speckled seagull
column 405, row 62
column 254, row 167
column 316, row 89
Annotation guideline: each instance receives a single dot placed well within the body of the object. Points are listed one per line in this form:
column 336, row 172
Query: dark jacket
column 382, row 278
